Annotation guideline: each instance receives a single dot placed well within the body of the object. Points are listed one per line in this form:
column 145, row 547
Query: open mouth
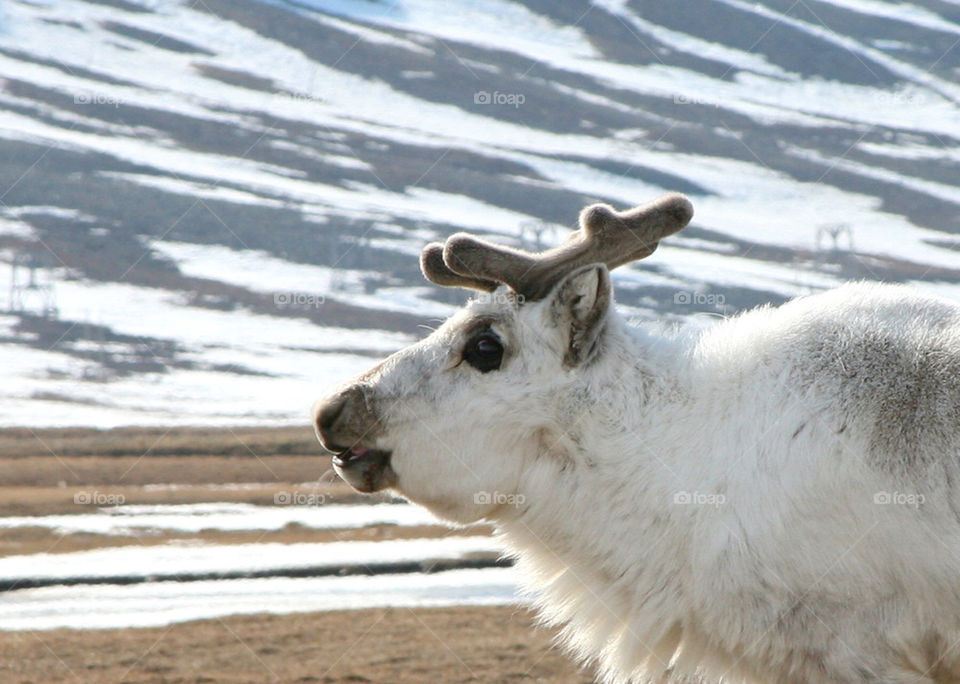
column 345, row 456
column 364, row 469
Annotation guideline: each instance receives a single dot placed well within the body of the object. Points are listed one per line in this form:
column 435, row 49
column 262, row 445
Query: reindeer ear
column 578, row 307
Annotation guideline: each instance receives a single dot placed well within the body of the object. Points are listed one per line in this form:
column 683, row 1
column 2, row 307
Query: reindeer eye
column 484, row 351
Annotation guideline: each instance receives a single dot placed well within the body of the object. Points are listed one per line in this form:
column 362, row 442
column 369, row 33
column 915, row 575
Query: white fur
column 710, row 505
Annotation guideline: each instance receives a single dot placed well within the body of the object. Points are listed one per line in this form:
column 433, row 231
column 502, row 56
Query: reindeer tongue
column 351, row 454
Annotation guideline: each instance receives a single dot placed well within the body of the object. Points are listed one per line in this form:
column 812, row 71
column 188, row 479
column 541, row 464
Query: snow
column 912, row 152
column 949, row 91
column 152, row 519
column 163, row 603
column 294, row 359
column 725, row 271
column 507, row 25
column 899, row 11
column 939, row 190
column 259, row 272
column 170, row 560
column 737, row 59
column 373, row 36
column 17, row 229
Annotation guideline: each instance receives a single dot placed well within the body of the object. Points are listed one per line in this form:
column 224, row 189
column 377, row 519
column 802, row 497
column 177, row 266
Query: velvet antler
column 605, row 236
column 436, row 271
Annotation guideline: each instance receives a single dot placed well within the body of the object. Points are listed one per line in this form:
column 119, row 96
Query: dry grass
column 400, row 646
column 46, row 500
column 25, row 540
column 127, row 471
column 42, row 471
column 136, row 442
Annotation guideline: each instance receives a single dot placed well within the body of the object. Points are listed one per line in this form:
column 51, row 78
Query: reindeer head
column 460, row 415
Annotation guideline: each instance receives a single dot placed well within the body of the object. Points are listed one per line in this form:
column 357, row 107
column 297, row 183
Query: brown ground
column 41, row 472
column 383, row 645
column 19, row 541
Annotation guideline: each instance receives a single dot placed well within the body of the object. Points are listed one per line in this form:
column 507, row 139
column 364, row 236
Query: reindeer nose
column 340, row 418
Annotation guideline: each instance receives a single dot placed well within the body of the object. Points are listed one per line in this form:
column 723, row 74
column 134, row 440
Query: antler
column 436, row 271
column 605, row 236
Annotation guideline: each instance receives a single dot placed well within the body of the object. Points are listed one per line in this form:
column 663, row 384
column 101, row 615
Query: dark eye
column 484, row 351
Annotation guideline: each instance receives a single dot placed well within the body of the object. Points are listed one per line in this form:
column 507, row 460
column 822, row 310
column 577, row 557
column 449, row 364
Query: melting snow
column 137, row 519
column 163, row 603
column 177, row 559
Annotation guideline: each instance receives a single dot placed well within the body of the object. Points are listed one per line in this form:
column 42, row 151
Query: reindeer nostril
column 329, row 412
column 340, row 420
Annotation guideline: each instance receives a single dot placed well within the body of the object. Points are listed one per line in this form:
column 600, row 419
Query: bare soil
column 399, row 645
column 42, row 472
column 153, row 441
column 25, row 540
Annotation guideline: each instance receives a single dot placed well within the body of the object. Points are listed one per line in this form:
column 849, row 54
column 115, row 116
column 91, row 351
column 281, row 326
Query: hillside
column 209, row 212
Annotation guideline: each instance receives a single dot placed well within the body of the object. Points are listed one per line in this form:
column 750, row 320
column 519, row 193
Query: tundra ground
column 43, row 471
column 382, row 645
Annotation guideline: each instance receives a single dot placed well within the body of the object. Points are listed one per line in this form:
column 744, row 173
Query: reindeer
column 774, row 498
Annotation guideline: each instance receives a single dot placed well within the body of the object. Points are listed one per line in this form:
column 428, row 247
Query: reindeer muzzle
column 346, row 425
column 366, row 470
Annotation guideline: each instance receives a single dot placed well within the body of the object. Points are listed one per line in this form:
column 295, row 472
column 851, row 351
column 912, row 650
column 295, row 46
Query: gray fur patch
column 904, row 392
